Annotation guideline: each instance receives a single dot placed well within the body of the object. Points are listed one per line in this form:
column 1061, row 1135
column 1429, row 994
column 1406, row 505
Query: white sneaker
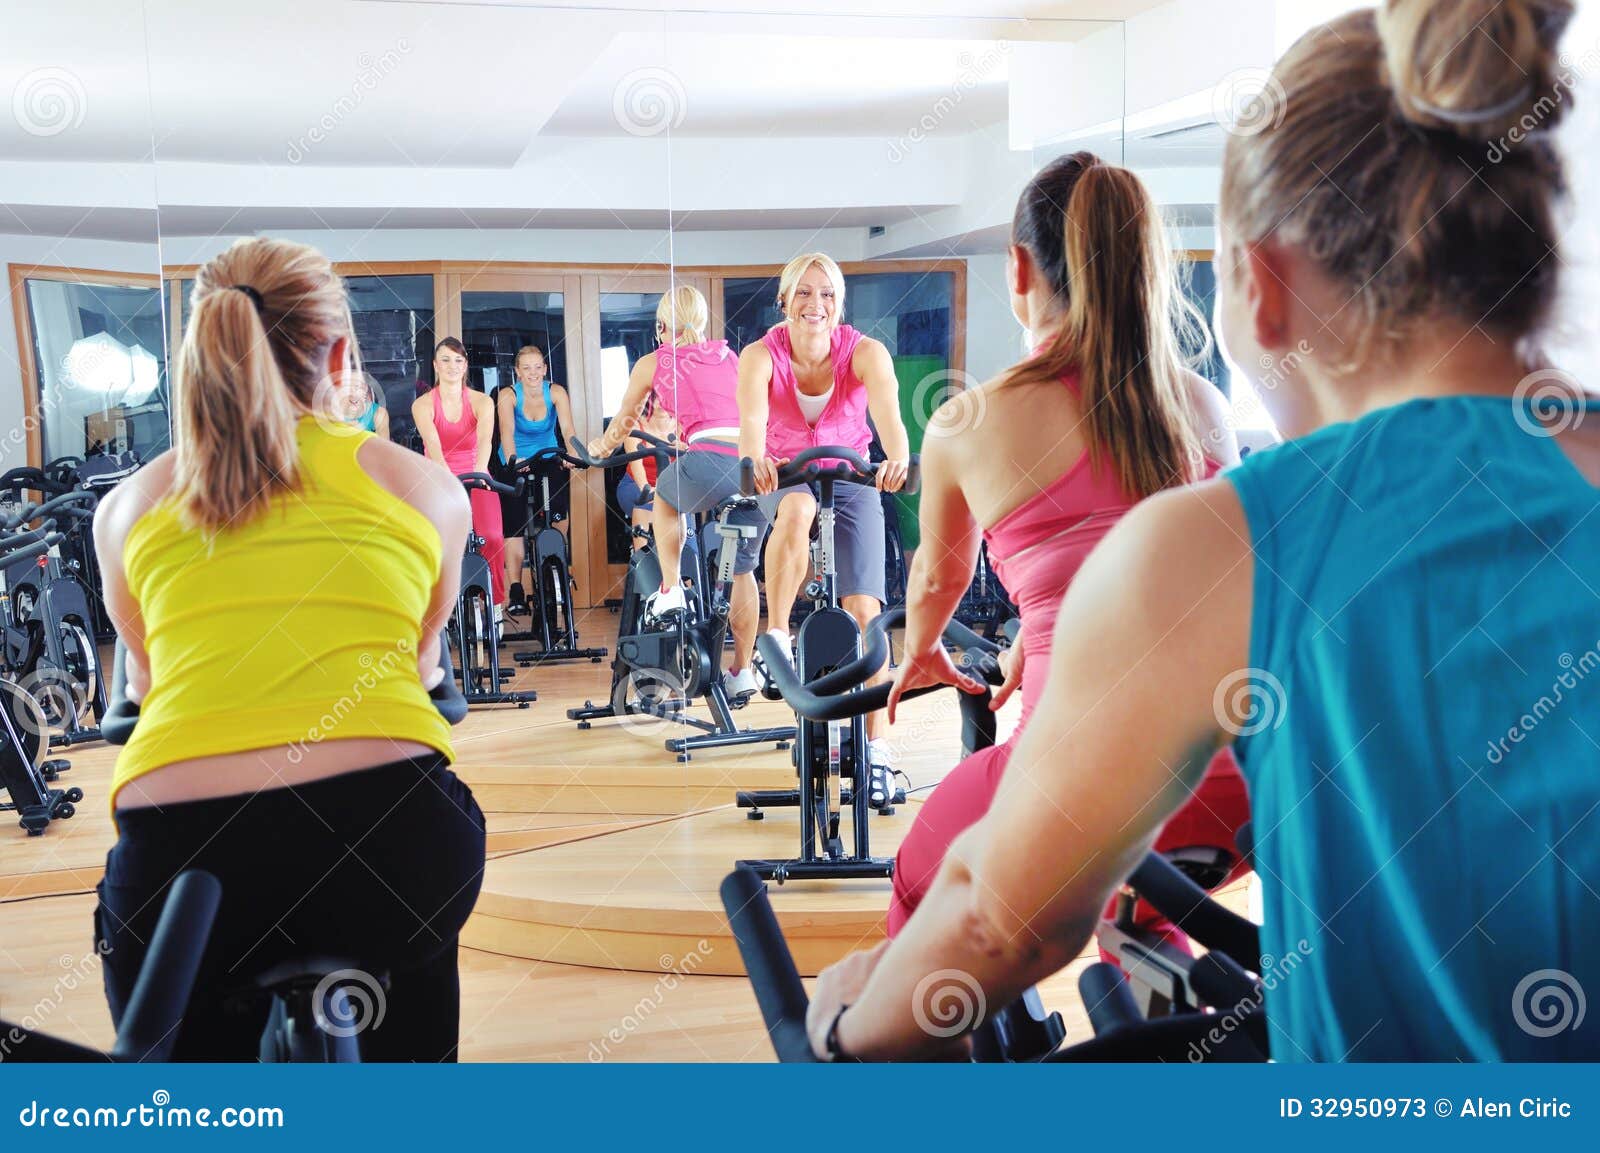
column 499, row 622
column 880, row 764
column 763, row 679
column 739, row 686
column 661, row 603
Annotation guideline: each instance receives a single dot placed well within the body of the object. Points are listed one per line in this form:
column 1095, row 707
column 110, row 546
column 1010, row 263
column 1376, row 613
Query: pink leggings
column 486, row 523
column 1219, row 806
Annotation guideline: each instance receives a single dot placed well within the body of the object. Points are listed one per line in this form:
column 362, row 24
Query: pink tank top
column 1038, row 547
column 843, row 421
column 699, row 384
column 458, row 441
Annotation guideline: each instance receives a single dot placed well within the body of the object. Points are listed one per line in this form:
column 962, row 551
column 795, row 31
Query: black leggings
column 380, row 866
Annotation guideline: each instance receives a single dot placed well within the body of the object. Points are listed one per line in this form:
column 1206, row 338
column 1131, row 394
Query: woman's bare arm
column 1156, row 619
column 422, row 417
column 115, row 515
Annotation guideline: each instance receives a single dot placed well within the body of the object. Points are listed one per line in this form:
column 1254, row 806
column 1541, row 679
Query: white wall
column 1579, row 352
column 994, row 338
column 600, row 246
column 65, row 252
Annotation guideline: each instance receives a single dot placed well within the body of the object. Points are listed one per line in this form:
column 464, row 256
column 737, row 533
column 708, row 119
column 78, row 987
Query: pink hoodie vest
column 699, row 384
column 843, row 421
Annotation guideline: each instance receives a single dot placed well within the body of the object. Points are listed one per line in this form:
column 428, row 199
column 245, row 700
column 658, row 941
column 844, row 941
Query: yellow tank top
column 298, row 627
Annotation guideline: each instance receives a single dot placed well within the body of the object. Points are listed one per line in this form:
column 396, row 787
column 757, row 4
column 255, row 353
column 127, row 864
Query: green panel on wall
column 924, row 382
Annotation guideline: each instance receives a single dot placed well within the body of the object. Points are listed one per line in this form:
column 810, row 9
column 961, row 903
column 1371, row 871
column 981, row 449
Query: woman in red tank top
column 1048, row 457
column 457, row 428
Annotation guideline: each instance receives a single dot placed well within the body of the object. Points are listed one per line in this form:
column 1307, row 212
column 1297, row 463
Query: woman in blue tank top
column 531, row 414
column 1394, row 617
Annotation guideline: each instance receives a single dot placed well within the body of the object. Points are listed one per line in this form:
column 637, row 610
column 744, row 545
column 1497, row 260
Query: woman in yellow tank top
column 286, row 741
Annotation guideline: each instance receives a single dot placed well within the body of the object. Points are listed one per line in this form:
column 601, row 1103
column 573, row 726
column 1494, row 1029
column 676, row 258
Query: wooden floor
column 599, row 917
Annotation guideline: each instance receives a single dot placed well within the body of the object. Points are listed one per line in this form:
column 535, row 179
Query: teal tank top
column 368, row 420
column 532, row 435
column 1424, row 754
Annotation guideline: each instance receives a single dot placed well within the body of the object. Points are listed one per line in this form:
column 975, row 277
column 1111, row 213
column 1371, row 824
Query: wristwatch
column 830, row 1043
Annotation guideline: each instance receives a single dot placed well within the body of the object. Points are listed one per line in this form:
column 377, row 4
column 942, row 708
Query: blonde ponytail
column 266, row 314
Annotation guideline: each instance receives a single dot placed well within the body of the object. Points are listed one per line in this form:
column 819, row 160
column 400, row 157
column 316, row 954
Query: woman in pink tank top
column 1045, row 459
column 697, row 381
column 457, row 428
column 813, row 381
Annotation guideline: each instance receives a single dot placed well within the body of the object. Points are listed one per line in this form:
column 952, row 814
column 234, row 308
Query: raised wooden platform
column 646, row 898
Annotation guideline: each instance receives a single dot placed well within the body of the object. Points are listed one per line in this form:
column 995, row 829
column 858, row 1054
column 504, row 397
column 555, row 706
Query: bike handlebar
column 161, row 994
column 1177, row 898
column 767, row 959
column 853, row 469
column 526, row 462
column 29, row 552
column 77, row 503
column 483, row 480
column 619, row 459
column 836, row 694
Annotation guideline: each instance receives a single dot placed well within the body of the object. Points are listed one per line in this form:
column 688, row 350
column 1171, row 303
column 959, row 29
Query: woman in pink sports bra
column 813, row 381
column 1047, row 458
column 462, row 444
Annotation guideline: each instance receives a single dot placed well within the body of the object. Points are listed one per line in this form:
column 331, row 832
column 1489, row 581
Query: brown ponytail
column 254, row 355
column 1097, row 238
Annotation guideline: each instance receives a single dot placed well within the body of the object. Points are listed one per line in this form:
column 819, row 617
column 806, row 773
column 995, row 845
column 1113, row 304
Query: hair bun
column 1475, row 68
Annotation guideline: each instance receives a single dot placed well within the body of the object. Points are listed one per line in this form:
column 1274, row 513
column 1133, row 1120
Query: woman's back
column 298, row 626
column 1028, row 481
column 698, row 383
column 1427, row 577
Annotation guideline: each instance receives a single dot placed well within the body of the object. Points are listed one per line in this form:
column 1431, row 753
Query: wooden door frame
column 17, row 276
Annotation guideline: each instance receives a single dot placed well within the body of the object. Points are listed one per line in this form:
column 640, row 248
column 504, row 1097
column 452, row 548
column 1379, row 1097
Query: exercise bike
column 661, row 666
column 550, row 624
column 831, row 749
column 26, row 775
column 1229, row 997
column 472, row 632
column 832, row 744
column 314, row 998
column 48, row 625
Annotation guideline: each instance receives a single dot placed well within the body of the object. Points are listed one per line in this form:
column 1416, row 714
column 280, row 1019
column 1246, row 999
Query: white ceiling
column 734, row 83
column 341, row 89
column 74, row 80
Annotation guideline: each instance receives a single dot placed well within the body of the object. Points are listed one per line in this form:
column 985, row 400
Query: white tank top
column 811, row 406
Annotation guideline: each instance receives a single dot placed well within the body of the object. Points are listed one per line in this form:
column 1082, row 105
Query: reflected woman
column 531, row 414
column 360, row 404
column 456, row 424
column 812, row 380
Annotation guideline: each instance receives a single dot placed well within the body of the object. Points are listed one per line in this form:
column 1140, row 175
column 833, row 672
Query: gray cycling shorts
column 859, row 545
column 698, row 481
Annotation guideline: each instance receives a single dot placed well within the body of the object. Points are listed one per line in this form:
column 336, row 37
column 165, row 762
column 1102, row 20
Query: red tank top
column 458, row 441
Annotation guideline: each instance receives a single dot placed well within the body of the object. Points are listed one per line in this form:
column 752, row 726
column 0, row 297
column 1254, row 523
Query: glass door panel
column 100, row 361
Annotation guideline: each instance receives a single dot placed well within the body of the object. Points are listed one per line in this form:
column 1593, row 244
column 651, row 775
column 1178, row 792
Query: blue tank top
column 532, row 435
column 1424, row 758
column 368, row 419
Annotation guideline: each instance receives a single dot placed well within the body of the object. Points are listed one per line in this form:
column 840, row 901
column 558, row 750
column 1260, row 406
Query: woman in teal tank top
column 1393, row 617
column 360, row 403
column 519, row 435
